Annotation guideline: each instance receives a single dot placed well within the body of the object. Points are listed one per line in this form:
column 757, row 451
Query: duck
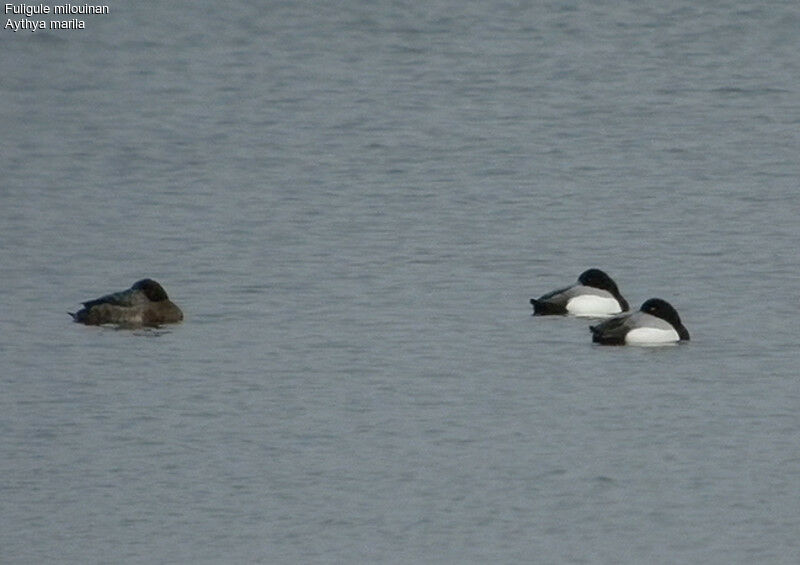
column 655, row 323
column 145, row 303
column 594, row 295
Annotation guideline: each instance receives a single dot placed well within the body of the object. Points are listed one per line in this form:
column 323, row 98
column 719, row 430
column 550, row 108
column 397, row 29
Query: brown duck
column 144, row 304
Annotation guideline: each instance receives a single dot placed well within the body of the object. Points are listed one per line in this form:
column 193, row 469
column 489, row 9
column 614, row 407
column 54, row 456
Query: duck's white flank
column 651, row 336
column 593, row 306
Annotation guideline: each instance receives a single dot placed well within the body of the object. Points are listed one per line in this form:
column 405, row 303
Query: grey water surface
column 352, row 203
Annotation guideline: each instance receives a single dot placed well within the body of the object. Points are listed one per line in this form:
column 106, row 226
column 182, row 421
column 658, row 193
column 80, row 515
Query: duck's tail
column 542, row 308
column 79, row 316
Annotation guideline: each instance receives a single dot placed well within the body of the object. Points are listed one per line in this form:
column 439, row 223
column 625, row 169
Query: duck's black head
column 664, row 310
column 151, row 289
column 598, row 279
